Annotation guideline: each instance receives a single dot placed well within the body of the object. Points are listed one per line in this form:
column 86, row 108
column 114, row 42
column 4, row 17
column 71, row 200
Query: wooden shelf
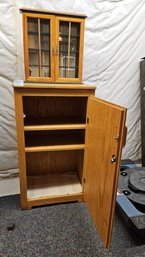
column 54, row 148
column 53, row 185
column 54, row 127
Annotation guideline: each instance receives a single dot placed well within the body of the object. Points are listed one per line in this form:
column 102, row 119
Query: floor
column 61, row 230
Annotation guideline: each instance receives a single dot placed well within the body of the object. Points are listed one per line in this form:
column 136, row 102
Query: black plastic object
column 10, row 226
column 133, row 186
column 131, row 196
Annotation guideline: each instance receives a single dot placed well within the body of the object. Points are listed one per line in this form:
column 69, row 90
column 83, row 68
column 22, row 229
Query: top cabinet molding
column 53, row 46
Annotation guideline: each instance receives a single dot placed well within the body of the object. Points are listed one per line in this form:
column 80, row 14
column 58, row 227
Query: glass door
column 38, row 48
column 69, row 48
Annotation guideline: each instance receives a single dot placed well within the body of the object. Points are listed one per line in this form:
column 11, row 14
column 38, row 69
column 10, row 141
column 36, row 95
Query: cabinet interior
column 54, row 173
column 47, row 110
column 54, row 154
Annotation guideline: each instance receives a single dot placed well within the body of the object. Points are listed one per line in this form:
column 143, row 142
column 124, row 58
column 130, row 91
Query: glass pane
column 45, row 47
column 33, row 63
column 34, row 71
column 63, row 49
column 69, row 40
column 74, row 49
column 33, row 51
column 45, row 71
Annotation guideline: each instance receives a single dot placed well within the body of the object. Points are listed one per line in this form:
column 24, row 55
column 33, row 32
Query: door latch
column 113, row 159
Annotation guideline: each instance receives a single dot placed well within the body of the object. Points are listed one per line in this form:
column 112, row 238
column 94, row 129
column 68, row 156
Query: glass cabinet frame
column 62, row 60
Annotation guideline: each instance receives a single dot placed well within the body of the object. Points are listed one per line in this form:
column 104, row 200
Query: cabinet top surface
column 31, row 10
column 55, row 86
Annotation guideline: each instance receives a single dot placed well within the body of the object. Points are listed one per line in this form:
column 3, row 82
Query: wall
column 114, row 45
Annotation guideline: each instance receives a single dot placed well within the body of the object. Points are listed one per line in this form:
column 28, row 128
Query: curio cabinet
column 53, row 46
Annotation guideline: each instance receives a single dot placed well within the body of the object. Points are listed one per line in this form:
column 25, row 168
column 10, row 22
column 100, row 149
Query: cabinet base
column 51, row 200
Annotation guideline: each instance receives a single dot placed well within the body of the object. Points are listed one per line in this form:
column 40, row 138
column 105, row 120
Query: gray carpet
column 63, row 230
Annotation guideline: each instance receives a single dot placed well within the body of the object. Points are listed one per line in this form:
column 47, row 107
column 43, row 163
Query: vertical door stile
column 56, row 48
column 21, row 147
column 81, row 47
column 68, row 59
column 52, row 48
column 39, row 47
column 25, row 41
column 120, row 141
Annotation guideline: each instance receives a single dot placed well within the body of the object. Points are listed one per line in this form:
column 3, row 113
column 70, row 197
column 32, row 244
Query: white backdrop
column 114, row 45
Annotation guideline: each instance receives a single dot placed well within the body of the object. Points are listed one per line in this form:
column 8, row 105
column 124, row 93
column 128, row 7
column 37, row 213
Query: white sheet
column 114, row 45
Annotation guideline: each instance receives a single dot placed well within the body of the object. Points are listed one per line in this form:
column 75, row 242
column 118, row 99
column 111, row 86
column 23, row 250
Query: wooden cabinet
column 53, row 46
column 69, row 146
column 69, row 141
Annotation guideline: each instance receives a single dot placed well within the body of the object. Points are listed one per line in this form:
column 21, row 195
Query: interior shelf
column 53, row 185
column 54, row 127
column 54, row 148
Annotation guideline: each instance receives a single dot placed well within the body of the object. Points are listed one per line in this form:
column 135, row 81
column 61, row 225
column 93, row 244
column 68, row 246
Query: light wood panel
column 21, row 148
column 55, row 184
column 54, row 199
column 55, row 86
column 59, row 91
column 54, row 148
column 104, row 136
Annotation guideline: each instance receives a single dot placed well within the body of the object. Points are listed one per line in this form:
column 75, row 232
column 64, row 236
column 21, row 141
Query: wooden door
column 69, row 49
column 104, row 136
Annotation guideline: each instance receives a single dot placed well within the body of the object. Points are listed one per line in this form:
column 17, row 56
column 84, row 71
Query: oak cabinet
column 69, row 147
column 53, row 46
column 69, row 141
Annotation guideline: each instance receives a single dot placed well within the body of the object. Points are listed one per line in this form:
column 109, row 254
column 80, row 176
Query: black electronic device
column 131, row 195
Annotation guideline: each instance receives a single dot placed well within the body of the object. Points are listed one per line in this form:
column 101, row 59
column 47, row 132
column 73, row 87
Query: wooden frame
column 69, row 138
column 25, row 40
column 81, row 45
column 46, row 90
column 104, row 133
column 54, row 45
column 76, row 154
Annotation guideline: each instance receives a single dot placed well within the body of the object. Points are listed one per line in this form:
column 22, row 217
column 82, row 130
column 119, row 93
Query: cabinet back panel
column 53, row 108
column 44, row 138
column 42, row 163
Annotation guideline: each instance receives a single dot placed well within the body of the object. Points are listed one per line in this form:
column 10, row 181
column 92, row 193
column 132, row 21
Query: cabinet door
column 69, row 49
column 104, row 136
column 38, row 46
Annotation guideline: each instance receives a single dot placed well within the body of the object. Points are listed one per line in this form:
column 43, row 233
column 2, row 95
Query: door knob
column 113, row 159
